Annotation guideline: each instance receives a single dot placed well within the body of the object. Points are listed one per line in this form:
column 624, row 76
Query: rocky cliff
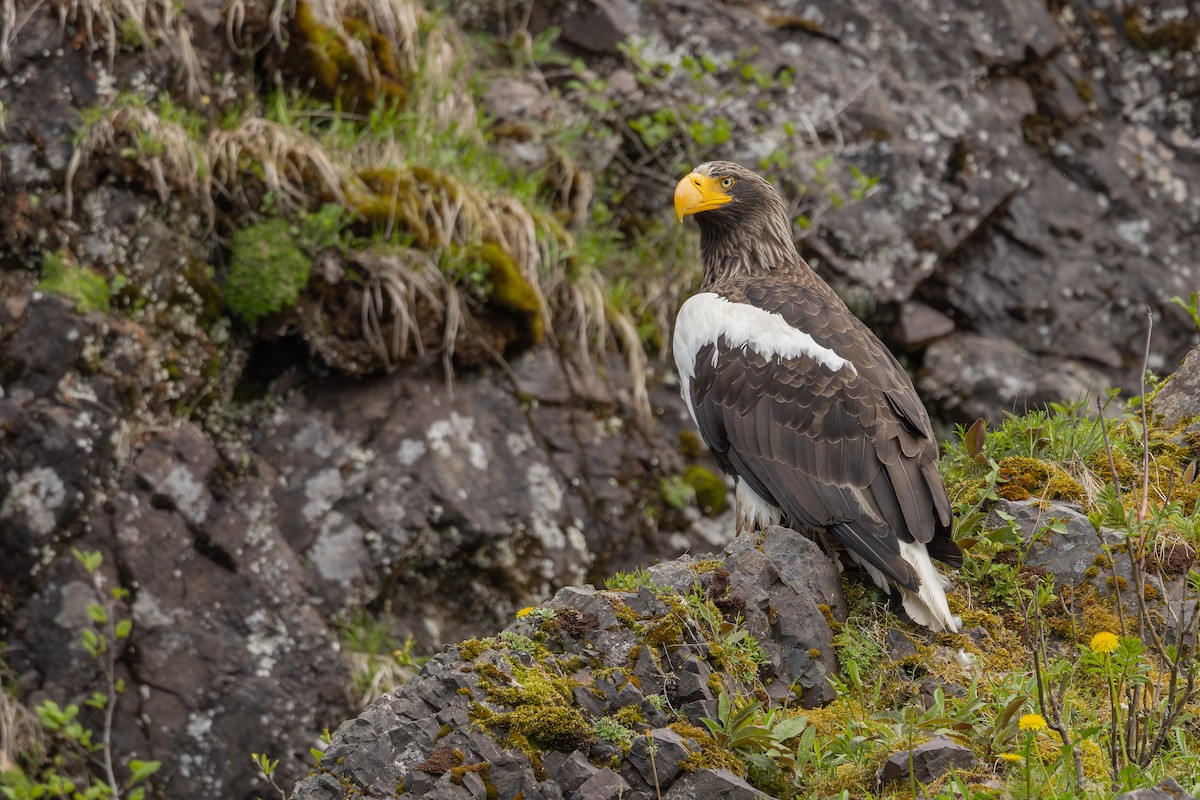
column 287, row 334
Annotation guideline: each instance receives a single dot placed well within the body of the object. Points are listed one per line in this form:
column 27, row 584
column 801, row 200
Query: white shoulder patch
column 707, row 317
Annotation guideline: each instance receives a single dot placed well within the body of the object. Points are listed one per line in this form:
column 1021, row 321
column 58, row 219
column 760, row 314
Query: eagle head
column 726, row 195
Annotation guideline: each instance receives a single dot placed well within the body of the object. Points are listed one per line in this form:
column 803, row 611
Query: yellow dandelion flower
column 1032, row 722
column 524, row 612
column 1015, row 758
column 1104, row 642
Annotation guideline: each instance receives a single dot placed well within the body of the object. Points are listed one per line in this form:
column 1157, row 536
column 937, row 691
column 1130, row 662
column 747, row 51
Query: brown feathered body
column 803, row 405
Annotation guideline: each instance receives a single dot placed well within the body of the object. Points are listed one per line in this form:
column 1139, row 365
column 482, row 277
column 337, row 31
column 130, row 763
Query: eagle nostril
column 696, row 182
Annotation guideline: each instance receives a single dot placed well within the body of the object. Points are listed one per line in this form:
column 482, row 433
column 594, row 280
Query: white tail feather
column 927, row 606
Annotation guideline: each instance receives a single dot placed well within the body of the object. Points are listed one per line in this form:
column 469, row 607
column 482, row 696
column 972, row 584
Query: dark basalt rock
column 393, row 742
column 926, row 761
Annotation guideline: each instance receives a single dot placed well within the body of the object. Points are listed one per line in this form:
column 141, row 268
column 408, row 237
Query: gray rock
column 568, row 771
column 708, row 784
column 1169, row 789
column 663, row 768
column 1179, row 398
column 926, row 761
column 691, row 682
column 973, row 376
column 604, row 785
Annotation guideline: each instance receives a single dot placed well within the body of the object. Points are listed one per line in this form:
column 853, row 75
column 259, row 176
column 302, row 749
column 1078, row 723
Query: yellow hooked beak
column 696, row 193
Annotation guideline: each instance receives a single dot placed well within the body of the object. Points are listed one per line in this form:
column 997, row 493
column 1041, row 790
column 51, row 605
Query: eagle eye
column 727, row 182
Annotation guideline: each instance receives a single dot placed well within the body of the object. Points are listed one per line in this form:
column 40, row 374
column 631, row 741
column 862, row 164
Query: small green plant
column 1191, row 306
column 632, row 581
column 267, row 270
column 75, row 744
column 380, row 661
column 517, row 643
column 610, row 729
column 676, row 492
column 90, row 291
column 266, row 767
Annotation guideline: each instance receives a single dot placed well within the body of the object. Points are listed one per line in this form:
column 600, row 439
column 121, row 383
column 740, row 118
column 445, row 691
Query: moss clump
column 471, row 648
column 533, row 686
column 1022, row 477
column 89, row 290
column 341, row 69
column 511, row 295
column 622, row 611
column 630, row 716
column 1173, row 36
column 547, row 727
column 267, row 270
column 441, row 761
column 710, row 755
column 690, row 445
column 709, row 488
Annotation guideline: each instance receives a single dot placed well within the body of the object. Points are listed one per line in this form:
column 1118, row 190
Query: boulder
column 926, row 762
column 511, row 695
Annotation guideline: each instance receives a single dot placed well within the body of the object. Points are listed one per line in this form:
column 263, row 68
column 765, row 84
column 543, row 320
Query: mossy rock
column 353, row 64
column 1022, row 478
column 711, row 492
column 89, row 290
column 511, row 296
column 267, row 270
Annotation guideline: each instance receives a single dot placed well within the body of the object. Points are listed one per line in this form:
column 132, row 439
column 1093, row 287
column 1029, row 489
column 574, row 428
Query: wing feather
column 849, row 450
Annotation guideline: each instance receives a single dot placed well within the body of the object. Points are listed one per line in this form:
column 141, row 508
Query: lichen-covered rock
column 223, row 631
column 481, row 499
column 540, row 707
column 1179, row 398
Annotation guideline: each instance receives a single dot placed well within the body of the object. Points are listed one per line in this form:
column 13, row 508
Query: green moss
column 533, row 686
column 338, row 72
column 690, row 444
column 471, row 648
column 710, row 755
column 630, row 716
column 622, row 611
column 89, row 290
column 267, row 270
column 709, row 488
column 1022, row 477
column 547, row 727
column 1173, row 36
column 511, row 294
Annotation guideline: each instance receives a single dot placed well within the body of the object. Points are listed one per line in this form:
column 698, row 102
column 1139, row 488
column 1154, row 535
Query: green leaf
column 790, row 727
column 97, row 614
column 124, row 626
column 141, row 770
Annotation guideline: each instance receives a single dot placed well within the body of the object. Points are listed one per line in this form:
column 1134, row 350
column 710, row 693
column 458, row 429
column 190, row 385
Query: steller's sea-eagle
column 801, row 403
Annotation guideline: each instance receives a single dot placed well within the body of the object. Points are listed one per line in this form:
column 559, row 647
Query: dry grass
column 301, row 163
column 143, row 23
column 20, row 732
column 164, row 149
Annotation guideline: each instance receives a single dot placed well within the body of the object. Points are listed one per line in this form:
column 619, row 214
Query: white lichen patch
column 147, row 613
column 267, row 641
column 452, row 437
column 321, row 491
column 519, row 443
column 35, row 500
column 190, row 496
column 340, row 552
column 410, row 451
column 75, row 596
